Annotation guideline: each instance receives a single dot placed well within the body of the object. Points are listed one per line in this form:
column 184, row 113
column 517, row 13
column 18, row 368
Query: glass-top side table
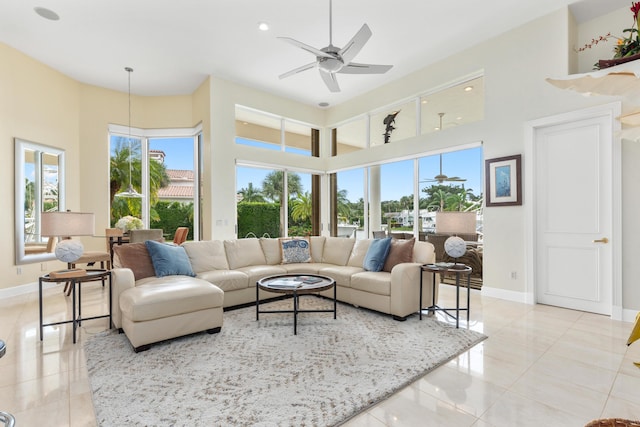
column 447, row 268
column 90, row 276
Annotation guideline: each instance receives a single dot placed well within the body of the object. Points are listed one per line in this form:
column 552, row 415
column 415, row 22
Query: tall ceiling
column 174, row 45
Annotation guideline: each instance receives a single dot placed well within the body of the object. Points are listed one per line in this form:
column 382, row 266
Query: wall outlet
column 43, row 266
column 19, row 270
column 514, row 275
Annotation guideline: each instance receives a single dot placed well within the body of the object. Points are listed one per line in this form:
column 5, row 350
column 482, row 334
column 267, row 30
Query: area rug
column 258, row 373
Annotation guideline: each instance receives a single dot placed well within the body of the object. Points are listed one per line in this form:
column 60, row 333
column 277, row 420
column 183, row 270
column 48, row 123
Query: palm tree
column 438, row 199
column 456, row 201
column 344, row 210
column 273, row 188
column 301, row 207
column 125, row 167
column 251, row 194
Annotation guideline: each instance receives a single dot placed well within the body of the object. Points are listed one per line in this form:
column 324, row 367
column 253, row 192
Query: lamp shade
column 67, row 224
column 456, row 222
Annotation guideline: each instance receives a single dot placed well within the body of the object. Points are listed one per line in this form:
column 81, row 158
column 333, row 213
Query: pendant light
column 131, row 192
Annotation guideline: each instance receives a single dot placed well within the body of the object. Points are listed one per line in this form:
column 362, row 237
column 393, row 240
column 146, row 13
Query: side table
column 75, row 282
column 458, row 270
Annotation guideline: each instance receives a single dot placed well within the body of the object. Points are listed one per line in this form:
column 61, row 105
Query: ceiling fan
column 331, row 60
column 440, row 178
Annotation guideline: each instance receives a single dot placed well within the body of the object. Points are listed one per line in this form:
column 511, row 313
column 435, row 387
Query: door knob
column 603, row 240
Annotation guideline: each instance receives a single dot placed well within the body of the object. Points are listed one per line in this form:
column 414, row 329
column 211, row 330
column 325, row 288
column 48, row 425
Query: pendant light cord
column 129, row 71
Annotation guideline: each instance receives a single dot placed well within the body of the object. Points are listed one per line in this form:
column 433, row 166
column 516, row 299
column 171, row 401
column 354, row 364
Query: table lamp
column 64, row 225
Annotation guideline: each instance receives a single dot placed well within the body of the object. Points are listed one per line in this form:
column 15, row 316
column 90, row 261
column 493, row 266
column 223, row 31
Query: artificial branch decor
column 627, row 48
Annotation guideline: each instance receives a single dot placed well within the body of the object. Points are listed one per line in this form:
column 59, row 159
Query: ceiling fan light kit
column 331, row 60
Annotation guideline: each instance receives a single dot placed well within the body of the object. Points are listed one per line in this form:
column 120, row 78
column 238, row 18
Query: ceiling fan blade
column 310, row 49
column 455, row 179
column 354, row 68
column 330, row 80
column 298, row 70
column 351, row 49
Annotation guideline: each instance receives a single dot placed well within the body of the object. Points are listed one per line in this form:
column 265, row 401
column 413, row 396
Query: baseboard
column 629, row 315
column 27, row 288
column 506, row 294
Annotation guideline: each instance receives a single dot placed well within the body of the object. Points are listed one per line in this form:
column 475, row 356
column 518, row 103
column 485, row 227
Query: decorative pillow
column 295, row 250
column 136, row 257
column 400, row 251
column 169, row 260
column 376, row 254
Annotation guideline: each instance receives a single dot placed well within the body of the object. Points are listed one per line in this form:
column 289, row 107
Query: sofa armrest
column 121, row 280
column 405, row 289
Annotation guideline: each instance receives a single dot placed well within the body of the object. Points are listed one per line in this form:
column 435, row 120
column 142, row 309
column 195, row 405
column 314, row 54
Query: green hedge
column 258, row 218
column 173, row 215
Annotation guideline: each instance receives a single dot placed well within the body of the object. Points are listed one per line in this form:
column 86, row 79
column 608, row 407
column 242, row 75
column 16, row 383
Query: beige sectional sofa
column 234, row 266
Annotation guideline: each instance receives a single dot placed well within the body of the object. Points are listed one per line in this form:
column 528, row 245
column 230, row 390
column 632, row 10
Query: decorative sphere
column 455, row 247
column 69, row 250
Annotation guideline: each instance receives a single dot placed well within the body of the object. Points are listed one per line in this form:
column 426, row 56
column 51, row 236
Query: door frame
column 611, row 111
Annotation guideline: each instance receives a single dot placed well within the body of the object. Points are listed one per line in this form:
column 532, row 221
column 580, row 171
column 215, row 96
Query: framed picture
column 503, row 177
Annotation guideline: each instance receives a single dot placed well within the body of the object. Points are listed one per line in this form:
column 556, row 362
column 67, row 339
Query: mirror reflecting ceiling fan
column 331, row 60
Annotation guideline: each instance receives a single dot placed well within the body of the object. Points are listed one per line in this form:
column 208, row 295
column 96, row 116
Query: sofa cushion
column 303, row 267
column 272, row 250
column 337, row 250
column 373, row 282
column 295, row 250
column 244, row 252
column 423, row 252
column 169, row 260
column 360, row 247
column 170, row 297
column 206, row 255
column 227, row 280
column 376, row 254
column 342, row 275
column 257, row 272
column 135, row 256
column 399, row 252
column 317, row 247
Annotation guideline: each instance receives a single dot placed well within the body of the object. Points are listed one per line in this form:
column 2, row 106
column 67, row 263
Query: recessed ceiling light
column 458, row 118
column 436, row 128
column 263, row 26
column 424, row 101
column 47, row 13
column 468, row 88
column 323, row 104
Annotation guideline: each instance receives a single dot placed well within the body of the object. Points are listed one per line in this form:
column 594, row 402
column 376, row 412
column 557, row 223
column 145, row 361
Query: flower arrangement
column 627, row 46
column 127, row 223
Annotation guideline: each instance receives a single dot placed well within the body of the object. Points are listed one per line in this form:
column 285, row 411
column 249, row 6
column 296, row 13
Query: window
column 351, row 136
column 268, row 131
column 163, row 166
column 454, row 106
column 262, row 209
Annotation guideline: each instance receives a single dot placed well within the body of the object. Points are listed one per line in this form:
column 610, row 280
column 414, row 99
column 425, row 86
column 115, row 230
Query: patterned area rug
column 260, row 374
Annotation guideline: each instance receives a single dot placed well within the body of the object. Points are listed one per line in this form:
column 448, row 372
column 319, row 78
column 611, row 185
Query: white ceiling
column 174, row 45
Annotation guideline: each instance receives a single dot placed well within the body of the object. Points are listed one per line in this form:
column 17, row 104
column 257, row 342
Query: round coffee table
column 295, row 285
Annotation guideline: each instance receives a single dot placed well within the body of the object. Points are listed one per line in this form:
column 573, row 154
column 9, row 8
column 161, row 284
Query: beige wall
column 515, row 66
column 41, row 105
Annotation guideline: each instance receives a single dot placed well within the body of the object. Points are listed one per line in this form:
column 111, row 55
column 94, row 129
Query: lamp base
column 68, row 273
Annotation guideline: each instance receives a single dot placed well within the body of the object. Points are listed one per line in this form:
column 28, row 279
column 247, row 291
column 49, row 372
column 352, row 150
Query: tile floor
column 540, row 366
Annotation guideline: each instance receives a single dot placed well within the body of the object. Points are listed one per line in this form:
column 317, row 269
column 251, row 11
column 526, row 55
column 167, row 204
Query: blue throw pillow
column 377, row 254
column 169, row 260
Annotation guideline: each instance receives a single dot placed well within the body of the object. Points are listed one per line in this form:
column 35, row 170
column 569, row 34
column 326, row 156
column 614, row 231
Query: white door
column 573, row 213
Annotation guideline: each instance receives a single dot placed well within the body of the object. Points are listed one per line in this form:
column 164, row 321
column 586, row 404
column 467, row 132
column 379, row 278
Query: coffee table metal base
column 295, row 294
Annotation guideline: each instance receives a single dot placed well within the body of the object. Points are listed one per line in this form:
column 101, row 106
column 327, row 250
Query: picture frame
column 503, row 181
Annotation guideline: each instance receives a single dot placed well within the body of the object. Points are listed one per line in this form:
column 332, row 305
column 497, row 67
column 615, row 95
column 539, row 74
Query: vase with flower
column 128, row 223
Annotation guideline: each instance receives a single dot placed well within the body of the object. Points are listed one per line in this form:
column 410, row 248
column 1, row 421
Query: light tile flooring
column 540, row 366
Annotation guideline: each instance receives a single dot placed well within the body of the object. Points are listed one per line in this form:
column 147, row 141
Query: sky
column 396, row 178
